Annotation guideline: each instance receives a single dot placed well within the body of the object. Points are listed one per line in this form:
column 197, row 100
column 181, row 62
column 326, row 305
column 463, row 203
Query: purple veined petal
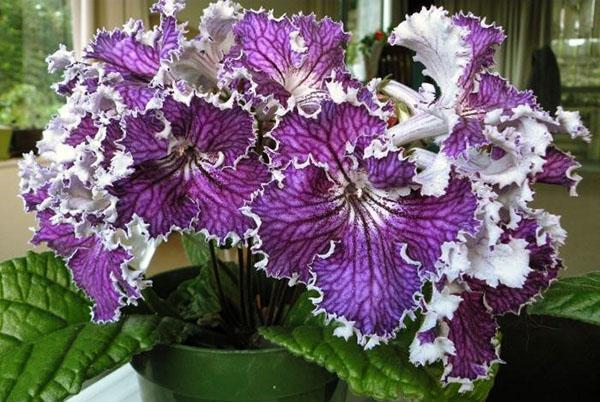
column 84, row 131
column 467, row 133
column 483, row 40
column 559, row 168
column 214, row 132
column 158, row 192
column 472, row 330
column 441, row 218
column 264, row 46
column 123, row 53
column 35, row 197
column 367, row 281
column 99, row 272
column 439, row 44
column 324, row 138
column 494, row 92
column 288, row 59
column 96, row 269
column 298, row 221
column 135, row 94
column 310, row 211
column 390, row 171
column 221, row 193
column 324, row 41
column 170, row 37
column 142, row 137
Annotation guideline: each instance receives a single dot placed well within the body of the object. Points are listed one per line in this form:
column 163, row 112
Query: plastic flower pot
column 183, row 373
column 5, row 137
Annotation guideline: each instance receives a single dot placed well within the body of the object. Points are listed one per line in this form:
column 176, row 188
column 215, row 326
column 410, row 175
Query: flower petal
column 472, row 330
column 326, row 137
column 467, row 133
column 559, row 168
column 221, row 134
column 124, row 53
column 439, row 44
column 483, row 40
column 389, row 171
column 99, row 271
column 157, row 192
column 494, row 92
column 142, row 138
column 297, row 221
column 221, row 193
column 368, row 281
column 441, row 218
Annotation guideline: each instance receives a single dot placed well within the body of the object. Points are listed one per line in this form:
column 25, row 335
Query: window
column 576, row 41
column 29, row 31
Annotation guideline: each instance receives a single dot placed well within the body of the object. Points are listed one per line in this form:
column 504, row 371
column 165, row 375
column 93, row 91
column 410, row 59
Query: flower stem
column 224, row 306
column 241, row 284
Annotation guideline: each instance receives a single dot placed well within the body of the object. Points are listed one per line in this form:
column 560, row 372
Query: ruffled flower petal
column 439, row 44
column 222, row 134
column 288, row 59
column 325, row 138
column 483, row 40
column 559, row 168
column 96, row 269
column 305, row 213
column 222, row 193
column 472, row 330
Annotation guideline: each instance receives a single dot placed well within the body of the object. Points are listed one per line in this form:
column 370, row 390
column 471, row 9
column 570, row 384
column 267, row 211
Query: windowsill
column 119, row 386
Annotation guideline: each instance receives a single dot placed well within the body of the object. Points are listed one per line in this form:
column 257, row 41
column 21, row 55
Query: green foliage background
column 30, row 30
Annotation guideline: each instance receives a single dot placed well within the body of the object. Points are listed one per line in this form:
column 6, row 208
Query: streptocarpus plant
column 347, row 230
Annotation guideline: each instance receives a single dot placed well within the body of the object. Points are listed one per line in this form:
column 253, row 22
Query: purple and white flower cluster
column 255, row 129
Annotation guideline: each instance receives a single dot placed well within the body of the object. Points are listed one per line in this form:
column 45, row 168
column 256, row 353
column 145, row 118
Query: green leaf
column 196, row 248
column 198, row 297
column 575, row 297
column 383, row 372
column 48, row 346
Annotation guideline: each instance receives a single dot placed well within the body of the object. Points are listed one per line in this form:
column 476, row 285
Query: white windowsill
column 119, row 386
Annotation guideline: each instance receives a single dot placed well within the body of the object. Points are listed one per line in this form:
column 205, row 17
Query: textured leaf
column 383, row 372
column 198, row 297
column 196, row 248
column 577, row 298
column 48, row 346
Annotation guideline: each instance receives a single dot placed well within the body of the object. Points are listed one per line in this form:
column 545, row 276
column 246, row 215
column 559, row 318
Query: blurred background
column 553, row 47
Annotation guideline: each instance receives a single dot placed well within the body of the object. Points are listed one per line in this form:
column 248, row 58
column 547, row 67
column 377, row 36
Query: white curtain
column 90, row 15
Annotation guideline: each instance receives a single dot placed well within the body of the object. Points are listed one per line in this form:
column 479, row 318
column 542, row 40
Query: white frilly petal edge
column 439, row 44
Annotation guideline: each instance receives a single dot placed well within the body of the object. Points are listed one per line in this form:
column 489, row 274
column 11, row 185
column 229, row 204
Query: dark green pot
column 181, row 373
column 185, row 374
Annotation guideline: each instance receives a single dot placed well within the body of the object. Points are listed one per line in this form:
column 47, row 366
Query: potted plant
column 329, row 239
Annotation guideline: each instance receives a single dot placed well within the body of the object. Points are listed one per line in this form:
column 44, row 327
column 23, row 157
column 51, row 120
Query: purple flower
column 559, row 169
column 487, row 281
column 483, row 125
column 132, row 57
column 343, row 222
column 287, row 59
column 200, row 61
column 190, row 169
